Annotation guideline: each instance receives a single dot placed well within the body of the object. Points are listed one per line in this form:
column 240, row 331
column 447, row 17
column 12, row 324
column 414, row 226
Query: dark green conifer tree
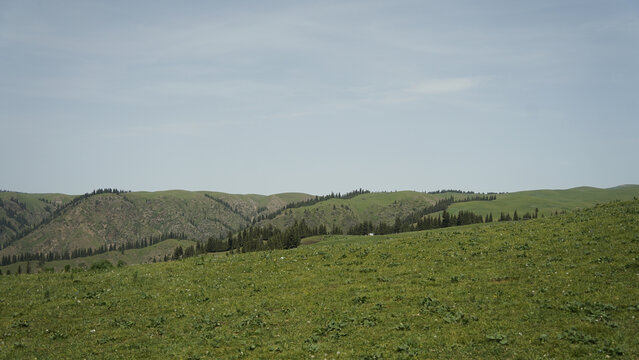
column 445, row 219
column 397, row 227
column 189, row 252
column 178, row 252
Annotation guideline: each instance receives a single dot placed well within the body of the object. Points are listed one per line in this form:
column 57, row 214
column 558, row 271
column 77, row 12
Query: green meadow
column 548, row 201
column 131, row 256
column 375, row 207
column 563, row 286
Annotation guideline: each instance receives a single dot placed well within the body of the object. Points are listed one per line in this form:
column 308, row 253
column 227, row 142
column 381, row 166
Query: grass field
column 557, row 287
column 345, row 213
column 386, row 206
column 548, row 201
column 131, row 256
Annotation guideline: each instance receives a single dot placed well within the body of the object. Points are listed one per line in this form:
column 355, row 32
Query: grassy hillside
column 557, row 287
column 20, row 212
column 131, row 256
column 548, row 201
column 385, row 207
column 120, row 218
column 345, row 213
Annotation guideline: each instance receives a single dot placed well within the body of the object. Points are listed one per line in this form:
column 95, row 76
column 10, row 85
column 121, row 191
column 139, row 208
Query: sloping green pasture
column 548, row 201
column 558, row 287
column 131, row 256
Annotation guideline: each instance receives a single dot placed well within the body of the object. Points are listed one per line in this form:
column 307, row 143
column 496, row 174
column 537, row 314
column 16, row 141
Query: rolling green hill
column 20, row 212
column 385, row 207
column 111, row 218
column 345, row 213
column 548, row 201
column 145, row 255
column 556, row 287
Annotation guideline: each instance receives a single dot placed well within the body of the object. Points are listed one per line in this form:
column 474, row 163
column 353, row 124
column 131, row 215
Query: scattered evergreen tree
column 445, row 219
column 398, row 225
column 189, row 252
column 178, row 252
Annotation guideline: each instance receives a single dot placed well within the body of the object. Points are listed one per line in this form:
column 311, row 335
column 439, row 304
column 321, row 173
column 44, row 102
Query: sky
column 319, row 96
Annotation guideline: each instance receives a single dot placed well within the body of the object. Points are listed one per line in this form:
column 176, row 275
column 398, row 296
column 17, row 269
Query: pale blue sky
column 267, row 97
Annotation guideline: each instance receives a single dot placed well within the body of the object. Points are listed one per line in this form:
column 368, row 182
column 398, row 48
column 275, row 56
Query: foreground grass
column 561, row 287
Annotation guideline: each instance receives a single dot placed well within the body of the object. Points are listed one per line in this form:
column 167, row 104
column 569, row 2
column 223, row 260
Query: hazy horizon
column 317, row 194
column 266, row 98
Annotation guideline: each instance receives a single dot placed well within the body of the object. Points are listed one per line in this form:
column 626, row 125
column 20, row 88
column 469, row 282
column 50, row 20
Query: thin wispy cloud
column 445, row 85
column 186, row 129
column 426, row 88
column 286, row 115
